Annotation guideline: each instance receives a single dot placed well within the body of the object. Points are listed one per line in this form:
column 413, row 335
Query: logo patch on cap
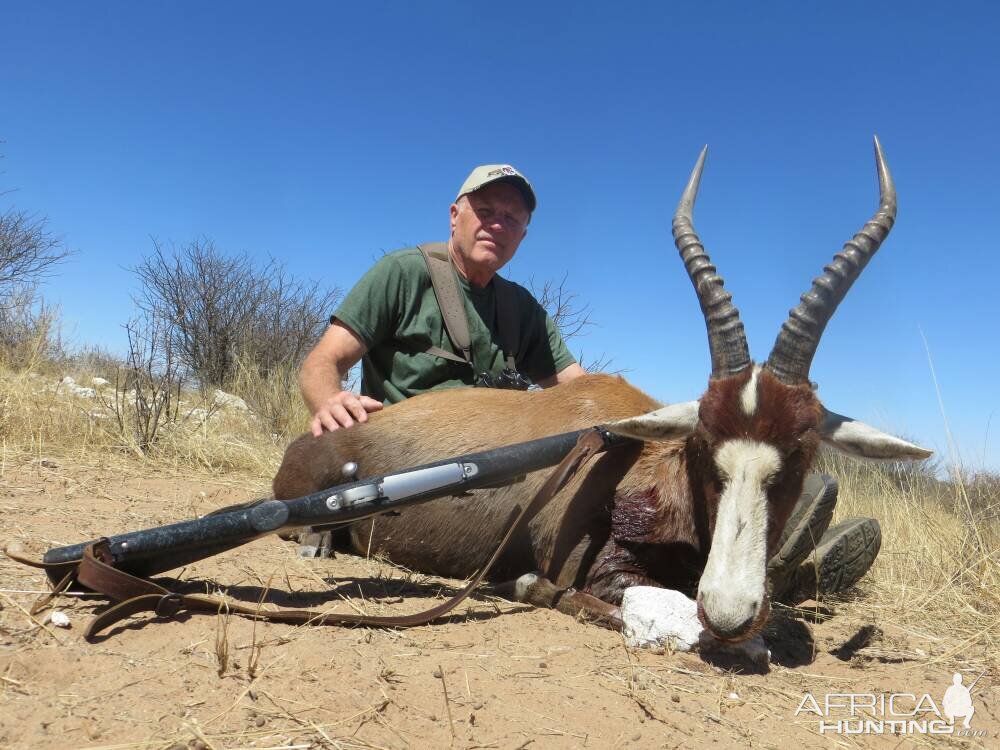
column 506, row 170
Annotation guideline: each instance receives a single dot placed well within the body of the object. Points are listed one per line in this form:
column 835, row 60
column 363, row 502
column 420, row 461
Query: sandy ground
column 494, row 675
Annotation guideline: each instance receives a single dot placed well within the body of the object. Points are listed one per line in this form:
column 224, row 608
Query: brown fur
column 455, row 536
column 639, row 515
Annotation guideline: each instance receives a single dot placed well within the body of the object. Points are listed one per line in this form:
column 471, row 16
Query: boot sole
column 843, row 556
column 805, row 527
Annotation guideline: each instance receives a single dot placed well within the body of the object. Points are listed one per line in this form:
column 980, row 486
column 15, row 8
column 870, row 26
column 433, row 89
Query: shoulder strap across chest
column 452, row 305
column 449, row 299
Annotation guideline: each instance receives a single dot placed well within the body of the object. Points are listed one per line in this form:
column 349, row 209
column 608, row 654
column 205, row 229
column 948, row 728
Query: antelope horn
column 799, row 336
column 726, row 339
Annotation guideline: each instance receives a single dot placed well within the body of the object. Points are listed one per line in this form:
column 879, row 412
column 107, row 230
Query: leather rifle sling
column 450, row 301
column 456, row 319
column 134, row 595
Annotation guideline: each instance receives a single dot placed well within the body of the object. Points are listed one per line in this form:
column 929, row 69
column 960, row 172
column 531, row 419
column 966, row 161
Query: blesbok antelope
column 699, row 502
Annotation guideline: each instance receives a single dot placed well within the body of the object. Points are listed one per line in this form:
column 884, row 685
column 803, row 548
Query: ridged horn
column 727, row 340
column 799, row 336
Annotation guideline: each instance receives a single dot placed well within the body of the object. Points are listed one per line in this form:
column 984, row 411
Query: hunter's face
column 486, row 228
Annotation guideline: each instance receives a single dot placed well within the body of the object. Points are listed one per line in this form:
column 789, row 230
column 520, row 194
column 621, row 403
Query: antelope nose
column 723, row 631
column 728, row 617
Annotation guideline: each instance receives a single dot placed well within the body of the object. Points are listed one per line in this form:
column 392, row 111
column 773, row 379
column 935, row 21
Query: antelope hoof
column 523, row 585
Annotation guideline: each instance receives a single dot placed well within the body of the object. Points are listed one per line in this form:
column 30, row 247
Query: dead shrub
column 572, row 318
column 96, row 360
column 28, row 253
column 147, row 389
column 218, row 308
column 29, row 331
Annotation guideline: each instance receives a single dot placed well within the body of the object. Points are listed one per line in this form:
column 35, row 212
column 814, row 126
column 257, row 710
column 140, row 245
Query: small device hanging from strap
column 456, row 320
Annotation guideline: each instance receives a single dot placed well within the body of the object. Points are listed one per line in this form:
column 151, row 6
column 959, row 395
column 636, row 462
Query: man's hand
column 343, row 409
column 322, row 374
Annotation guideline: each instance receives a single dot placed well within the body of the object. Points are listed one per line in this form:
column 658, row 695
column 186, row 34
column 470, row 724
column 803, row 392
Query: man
column 391, row 317
column 391, row 321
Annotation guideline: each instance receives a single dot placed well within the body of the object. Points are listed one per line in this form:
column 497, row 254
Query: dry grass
column 39, row 416
column 273, row 397
column 938, row 574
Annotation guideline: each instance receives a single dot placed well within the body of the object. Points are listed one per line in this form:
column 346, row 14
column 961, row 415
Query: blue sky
column 324, row 134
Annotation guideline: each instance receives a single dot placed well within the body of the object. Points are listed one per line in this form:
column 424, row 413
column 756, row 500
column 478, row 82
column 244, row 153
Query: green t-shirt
column 394, row 311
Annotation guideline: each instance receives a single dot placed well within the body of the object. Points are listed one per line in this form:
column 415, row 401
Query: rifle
column 155, row 550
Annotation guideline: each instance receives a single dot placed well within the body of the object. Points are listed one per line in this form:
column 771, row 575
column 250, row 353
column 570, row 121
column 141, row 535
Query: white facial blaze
column 748, row 396
column 732, row 588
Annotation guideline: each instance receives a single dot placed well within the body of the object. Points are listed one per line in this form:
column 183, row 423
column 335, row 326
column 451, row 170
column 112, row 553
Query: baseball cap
column 489, row 173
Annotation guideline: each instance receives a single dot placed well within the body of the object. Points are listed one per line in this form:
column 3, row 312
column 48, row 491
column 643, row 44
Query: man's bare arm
column 321, row 381
column 570, row 372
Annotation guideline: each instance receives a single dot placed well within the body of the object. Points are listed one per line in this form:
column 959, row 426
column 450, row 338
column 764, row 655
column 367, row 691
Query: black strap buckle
column 506, row 379
column 168, row 605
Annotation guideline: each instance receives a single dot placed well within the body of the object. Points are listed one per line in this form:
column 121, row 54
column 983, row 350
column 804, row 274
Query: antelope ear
column 668, row 423
column 859, row 439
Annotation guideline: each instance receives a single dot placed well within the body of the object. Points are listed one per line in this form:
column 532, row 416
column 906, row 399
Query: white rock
column 659, row 617
column 69, row 385
column 662, row 617
column 59, row 618
column 99, row 382
column 229, row 400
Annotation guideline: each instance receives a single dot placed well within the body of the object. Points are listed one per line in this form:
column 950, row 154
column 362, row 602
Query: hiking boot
column 844, row 554
column 809, row 519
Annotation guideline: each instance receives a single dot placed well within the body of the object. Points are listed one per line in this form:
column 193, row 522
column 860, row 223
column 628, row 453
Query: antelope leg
column 541, row 592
